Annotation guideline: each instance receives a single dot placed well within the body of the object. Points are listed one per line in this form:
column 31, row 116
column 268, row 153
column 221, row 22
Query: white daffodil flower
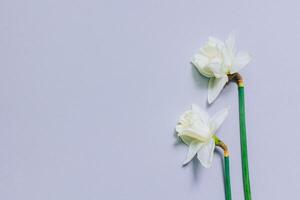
column 216, row 59
column 197, row 129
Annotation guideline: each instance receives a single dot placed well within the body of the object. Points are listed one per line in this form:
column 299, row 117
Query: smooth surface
column 227, row 178
column 90, row 92
column 243, row 141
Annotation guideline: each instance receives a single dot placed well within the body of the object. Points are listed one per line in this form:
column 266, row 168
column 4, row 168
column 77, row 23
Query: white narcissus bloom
column 197, row 129
column 216, row 59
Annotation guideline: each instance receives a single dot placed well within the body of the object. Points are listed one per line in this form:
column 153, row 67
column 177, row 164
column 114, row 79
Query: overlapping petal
column 240, row 61
column 215, row 86
column 194, row 123
column 217, row 119
column 206, row 153
column 194, row 147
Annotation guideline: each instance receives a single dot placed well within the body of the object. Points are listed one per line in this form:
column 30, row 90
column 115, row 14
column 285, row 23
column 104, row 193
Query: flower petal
column 213, row 41
column 217, row 119
column 218, row 69
column 193, row 149
column 206, row 153
column 194, row 122
column 215, row 85
column 188, row 136
column 201, row 113
column 240, row 61
column 200, row 62
column 230, row 43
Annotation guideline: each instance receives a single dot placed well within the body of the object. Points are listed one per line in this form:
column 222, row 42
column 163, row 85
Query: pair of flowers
column 218, row 61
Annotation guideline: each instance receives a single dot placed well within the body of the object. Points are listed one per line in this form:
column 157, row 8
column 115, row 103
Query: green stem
column 224, row 147
column 243, row 138
column 227, row 178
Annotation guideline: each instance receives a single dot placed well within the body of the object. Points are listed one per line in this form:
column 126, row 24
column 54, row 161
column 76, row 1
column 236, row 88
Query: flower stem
column 226, row 167
column 243, row 135
column 227, row 178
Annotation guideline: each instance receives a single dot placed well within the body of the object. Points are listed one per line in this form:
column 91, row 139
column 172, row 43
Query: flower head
column 216, row 59
column 197, row 129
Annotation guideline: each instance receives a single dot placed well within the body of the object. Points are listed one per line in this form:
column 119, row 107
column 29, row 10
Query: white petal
column 194, row 120
column 230, row 43
column 215, row 41
column 217, row 68
column 202, row 114
column 217, row 119
column 215, row 85
column 188, row 136
column 193, row 149
column 206, row 153
column 240, row 61
column 200, row 62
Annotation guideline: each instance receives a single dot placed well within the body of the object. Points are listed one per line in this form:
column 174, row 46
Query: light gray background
column 90, row 92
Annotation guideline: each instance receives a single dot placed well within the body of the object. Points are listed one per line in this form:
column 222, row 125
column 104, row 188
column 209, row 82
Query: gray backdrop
column 90, row 92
